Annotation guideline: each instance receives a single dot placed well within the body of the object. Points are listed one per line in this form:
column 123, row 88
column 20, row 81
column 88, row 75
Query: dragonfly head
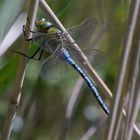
column 43, row 25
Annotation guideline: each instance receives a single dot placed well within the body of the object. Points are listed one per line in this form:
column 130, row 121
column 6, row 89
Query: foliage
column 44, row 103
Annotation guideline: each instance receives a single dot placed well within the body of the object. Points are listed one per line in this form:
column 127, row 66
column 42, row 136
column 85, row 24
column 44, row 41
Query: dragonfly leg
column 27, row 39
column 30, row 57
column 40, row 54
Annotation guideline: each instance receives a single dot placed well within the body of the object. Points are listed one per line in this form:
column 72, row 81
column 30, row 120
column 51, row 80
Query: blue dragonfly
column 51, row 39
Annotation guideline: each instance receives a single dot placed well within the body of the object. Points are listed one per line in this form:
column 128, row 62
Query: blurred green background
column 47, row 100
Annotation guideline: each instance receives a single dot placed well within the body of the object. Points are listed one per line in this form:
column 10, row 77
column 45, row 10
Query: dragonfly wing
column 38, row 37
column 51, row 45
column 95, row 56
column 83, row 32
column 49, row 66
column 54, row 67
column 45, row 43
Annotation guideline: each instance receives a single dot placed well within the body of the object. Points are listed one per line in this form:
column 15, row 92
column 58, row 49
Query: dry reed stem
column 113, row 125
column 16, row 94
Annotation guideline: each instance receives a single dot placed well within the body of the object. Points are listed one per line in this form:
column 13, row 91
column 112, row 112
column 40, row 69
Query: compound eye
column 49, row 24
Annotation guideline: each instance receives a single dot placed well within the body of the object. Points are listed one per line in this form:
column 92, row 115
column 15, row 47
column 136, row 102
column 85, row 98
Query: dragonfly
column 50, row 39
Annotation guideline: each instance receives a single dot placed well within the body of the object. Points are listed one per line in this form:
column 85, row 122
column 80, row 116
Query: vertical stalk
column 16, row 93
column 123, row 68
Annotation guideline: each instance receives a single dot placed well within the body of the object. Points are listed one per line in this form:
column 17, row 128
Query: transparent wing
column 83, row 32
column 82, row 35
column 54, row 67
column 45, row 43
column 39, row 37
column 49, row 69
column 95, row 56
column 49, row 66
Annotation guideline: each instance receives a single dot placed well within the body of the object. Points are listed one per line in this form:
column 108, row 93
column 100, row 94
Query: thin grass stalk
column 123, row 67
column 130, row 91
column 135, row 108
column 16, row 94
column 134, row 96
column 136, row 129
column 90, row 132
column 119, row 122
column 86, row 63
column 133, row 77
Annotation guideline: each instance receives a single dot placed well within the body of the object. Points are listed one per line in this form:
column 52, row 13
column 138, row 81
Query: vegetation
column 32, row 108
